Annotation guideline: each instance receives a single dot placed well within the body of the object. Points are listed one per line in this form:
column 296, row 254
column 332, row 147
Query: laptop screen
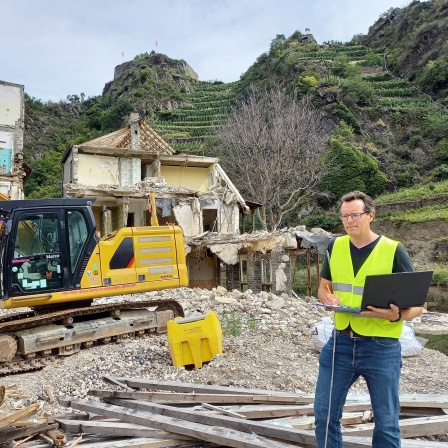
column 403, row 289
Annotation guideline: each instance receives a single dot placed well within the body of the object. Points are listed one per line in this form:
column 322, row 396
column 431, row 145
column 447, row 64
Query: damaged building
column 13, row 172
column 131, row 171
column 264, row 261
column 123, row 170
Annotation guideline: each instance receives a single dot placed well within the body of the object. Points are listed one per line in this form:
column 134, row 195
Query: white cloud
column 60, row 48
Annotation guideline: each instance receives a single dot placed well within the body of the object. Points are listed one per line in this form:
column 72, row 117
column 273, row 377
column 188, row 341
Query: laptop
column 403, row 289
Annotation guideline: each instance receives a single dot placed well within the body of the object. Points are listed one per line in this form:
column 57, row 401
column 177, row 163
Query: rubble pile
column 267, row 344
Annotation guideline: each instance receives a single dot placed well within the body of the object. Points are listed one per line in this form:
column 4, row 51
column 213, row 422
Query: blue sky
column 57, row 48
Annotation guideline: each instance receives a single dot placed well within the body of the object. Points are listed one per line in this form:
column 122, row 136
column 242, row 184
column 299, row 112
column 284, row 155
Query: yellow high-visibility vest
column 349, row 287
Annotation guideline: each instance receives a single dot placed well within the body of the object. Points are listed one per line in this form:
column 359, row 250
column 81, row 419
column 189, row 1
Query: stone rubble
column 266, row 344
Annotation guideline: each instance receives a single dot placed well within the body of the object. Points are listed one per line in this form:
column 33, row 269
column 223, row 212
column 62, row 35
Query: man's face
column 356, row 227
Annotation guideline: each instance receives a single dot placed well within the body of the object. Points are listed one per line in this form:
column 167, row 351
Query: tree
column 272, row 146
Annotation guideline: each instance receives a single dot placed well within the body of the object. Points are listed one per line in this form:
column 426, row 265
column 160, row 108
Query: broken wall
column 188, row 216
column 96, row 170
column 203, row 269
column 229, row 218
column 11, row 139
column 186, row 176
column 130, row 171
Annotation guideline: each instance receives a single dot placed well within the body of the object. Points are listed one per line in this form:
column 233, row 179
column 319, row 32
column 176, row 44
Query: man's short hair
column 369, row 205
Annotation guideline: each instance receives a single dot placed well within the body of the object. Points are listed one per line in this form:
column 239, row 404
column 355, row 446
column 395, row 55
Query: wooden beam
column 19, row 415
column 367, row 442
column 7, row 434
column 221, row 410
column 129, row 443
column 191, row 397
column 263, row 429
column 307, row 422
column 412, row 427
column 116, row 428
column 275, row 411
column 173, row 386
column 218, row 435
column 110, row 380
column 409, row 400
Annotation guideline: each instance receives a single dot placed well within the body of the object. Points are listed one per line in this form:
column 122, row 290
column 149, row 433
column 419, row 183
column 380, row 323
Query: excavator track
column 30, row 341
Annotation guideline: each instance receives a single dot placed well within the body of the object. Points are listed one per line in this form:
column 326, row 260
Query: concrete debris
column 226, row 246
column 267, row 344
column 227, row 253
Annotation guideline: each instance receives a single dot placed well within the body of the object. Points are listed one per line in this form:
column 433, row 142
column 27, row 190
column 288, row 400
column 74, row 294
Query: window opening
column 37, row 263
column 77, row 236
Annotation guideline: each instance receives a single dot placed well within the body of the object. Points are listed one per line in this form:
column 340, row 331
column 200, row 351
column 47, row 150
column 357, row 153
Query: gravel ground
column 274, row 351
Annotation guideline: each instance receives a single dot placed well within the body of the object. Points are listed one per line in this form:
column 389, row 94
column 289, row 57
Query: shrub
column 351, row 170
column 341, row 67
column 440, row 173
column 232, row 325
column 441, row 149
column 330, row 223
column 435, row 76
column 371, row 59
column 414, row 141
column 360, row 91
column 343, row 131
column 405, row 180
column 344, row 113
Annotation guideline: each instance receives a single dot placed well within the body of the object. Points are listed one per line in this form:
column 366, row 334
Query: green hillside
column 375, row 114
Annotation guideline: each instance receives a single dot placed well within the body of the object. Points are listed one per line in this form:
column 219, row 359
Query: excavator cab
column 50, row 255
column 43, row 243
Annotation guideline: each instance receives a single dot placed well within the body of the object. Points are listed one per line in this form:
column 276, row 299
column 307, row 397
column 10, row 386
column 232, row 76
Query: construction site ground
column 267, row 344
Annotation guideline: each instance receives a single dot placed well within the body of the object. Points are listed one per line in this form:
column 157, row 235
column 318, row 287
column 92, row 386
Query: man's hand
column 331, row 299
column 390, row 314
column 325, row 294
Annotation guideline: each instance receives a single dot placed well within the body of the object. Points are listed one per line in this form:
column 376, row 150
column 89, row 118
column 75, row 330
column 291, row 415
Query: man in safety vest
column 360, row 345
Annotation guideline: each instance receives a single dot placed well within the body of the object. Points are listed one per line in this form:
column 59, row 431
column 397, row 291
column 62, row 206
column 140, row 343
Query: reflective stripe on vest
column 345, row 287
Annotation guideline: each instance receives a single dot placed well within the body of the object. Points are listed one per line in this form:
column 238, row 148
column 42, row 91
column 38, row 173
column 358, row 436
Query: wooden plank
column 219, row 435
column 19, row 415
column 222, row 410
column 116, row 428
column 7, row 434
column 302, row 437
column 307, row 422
column 412, row 427
column 405, row 443
column 154, row 385
column 422, row 404
column 411, row 400
column 131, row 443
column 110, row 380
column 274, row 411
column 420, row 412
column 191, row 397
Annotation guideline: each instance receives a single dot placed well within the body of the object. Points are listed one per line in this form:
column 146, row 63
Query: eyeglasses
column 353, row 216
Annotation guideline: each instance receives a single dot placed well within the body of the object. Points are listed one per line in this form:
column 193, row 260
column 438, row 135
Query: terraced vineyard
column 191, row 126
column 400, row 94
column 388, row 90
column 354, row 52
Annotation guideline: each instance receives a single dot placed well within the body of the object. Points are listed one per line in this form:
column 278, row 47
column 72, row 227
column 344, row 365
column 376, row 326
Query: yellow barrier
column 194, row 340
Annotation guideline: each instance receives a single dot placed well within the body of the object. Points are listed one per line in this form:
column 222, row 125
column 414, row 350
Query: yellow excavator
column 52, row 263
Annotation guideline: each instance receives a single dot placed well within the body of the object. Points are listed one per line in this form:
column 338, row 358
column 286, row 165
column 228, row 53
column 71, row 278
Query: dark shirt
column 402, row 261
